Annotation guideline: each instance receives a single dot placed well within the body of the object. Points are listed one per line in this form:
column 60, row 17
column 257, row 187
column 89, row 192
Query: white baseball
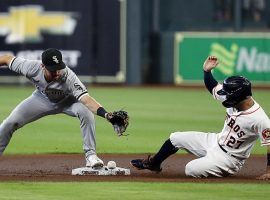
column 111, row 164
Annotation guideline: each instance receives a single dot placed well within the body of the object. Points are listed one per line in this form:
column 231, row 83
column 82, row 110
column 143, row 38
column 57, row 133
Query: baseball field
column 37, row 163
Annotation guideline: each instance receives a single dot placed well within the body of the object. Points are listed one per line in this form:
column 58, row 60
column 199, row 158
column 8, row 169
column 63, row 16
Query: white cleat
column 94, row 162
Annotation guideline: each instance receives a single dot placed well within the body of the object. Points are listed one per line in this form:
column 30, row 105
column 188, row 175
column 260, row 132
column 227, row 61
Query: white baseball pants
column 212, row 160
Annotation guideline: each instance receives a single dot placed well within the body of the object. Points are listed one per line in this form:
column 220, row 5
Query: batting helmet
column 236, row 89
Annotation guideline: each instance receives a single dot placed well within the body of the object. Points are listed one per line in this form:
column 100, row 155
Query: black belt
column 227, row 151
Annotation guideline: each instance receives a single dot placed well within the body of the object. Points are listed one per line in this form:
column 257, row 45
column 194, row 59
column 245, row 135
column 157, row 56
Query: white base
column 104, row 171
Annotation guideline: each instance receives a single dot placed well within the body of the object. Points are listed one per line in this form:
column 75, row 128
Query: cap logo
column 55, row 59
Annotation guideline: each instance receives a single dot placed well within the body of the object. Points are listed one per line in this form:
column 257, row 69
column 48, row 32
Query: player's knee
column 85, row 115
column 177, row 139
column 173, row 137
column 11, row 125
column 191, row 170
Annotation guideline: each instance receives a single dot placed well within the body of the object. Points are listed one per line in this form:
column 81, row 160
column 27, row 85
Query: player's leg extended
column 87, row 125
column 31, row 109
column 178, row 140
column 194, row 142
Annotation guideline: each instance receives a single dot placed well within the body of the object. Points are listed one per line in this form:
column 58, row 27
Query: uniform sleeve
column 264, row 131
column 216, row 95
column 25, row 67
column 76, row 87
column 209, row 81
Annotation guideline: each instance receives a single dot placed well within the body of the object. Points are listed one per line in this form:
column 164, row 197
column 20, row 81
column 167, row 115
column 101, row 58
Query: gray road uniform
column 59, row 96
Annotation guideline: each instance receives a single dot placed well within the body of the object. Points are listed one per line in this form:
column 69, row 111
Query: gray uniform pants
column 37, row 106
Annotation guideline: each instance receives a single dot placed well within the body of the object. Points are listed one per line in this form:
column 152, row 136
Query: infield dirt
column 57, row 167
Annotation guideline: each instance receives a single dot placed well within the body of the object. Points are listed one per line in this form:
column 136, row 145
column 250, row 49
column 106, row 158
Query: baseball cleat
column 145, row 164
column 94, row 162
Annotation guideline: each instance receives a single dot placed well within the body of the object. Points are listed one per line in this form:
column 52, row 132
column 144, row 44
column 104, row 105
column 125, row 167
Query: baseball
column 111, row 164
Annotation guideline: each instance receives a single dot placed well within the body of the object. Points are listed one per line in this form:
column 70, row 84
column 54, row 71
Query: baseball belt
column 227, row 152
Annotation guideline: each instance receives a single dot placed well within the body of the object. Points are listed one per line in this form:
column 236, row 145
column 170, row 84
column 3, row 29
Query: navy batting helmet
column 236, row 89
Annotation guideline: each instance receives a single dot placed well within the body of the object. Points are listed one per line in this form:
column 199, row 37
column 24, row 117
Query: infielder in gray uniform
column 58, row 90
column 224, row 153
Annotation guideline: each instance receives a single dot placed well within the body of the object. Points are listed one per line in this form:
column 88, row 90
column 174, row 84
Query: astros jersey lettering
column 242, row 129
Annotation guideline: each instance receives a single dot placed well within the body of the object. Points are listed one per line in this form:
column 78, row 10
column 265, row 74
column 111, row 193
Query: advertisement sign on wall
column 238, row 54
column 87, row 33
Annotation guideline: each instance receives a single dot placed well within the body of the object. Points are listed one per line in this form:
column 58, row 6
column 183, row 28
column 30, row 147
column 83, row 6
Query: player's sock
column 165, row 151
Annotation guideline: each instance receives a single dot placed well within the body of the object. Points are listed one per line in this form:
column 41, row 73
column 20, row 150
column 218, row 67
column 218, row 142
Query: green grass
column 127, row 190
column 154, row 114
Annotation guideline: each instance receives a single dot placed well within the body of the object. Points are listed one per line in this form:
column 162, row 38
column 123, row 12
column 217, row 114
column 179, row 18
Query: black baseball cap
column 52, row 59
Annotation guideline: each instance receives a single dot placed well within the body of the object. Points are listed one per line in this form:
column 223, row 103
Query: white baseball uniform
column 59, row 96
column 224, row 153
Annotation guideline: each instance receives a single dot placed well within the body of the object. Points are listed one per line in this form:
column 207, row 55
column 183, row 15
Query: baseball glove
column 119, row 120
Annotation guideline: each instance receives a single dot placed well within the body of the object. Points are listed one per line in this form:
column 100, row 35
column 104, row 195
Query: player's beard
column 54, row 76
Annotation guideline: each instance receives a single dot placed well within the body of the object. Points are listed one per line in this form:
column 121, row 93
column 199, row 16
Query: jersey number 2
column 232, row 142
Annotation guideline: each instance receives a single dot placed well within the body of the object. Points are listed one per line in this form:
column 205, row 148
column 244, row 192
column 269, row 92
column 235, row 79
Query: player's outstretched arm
column 5, row 60
column 119, row 119
column 266, row 176
column 209, row 81
column 90, row 103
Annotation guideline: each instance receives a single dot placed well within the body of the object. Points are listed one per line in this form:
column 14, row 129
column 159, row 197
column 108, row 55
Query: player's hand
column 264, row 177
column 210, row 63
column 5, row 60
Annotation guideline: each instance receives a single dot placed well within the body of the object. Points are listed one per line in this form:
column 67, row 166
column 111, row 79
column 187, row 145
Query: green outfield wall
column 246, row 54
